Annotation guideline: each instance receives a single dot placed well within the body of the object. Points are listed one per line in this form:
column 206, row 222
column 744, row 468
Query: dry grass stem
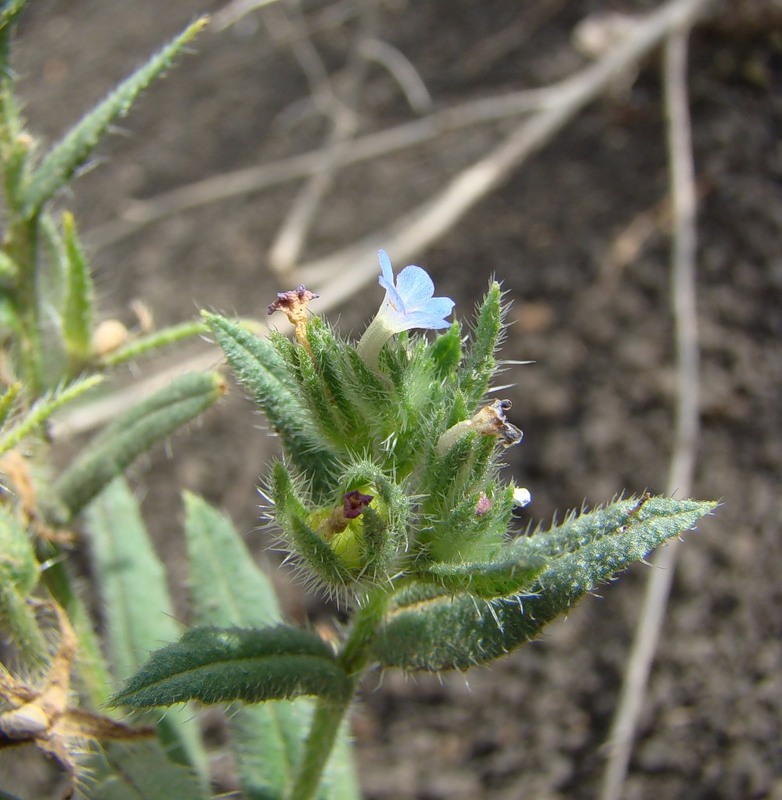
column 683, row 196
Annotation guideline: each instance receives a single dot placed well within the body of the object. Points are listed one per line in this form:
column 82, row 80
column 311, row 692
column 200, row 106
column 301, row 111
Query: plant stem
column 320, row 742
column 354, row 657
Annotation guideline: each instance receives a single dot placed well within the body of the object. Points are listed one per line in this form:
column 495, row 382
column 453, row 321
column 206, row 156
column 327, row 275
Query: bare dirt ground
column 596, row 406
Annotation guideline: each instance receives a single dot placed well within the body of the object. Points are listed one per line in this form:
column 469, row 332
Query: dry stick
column 292, row 236
column 421, row 227
column 401, row 70
column 233, row 12
column 683, row 195
column 556, row 106
column 332, row 16
column 141, row 213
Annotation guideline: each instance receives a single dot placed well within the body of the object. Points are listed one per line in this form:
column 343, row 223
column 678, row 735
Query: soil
column 597, row 404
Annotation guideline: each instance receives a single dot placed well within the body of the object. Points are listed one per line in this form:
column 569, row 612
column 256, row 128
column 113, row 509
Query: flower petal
column 415, row 287
column 409, row 303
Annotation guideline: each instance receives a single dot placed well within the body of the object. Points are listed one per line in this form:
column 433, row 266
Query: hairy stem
column 329, row 714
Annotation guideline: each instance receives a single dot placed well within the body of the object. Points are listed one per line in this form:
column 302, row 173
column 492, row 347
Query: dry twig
column 553, row 107
column 342, row 108
column 683, row 194
column 422, row 226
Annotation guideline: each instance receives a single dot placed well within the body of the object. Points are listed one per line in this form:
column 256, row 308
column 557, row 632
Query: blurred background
column 204, row 198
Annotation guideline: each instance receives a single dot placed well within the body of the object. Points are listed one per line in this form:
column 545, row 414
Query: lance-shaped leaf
column 264, row 372
column 137, row 609
column 329, row 354
column 79, row 296
column 446, row 351
column 156, row 340
column 479, row 363
column 62, row 161
column 140, row 771
column 216, row 665
column 7, row 400
column 19, row 572
column 487, row 580
column 446, row 633
column 43, row 409
column 133, row 433
column 9, row 11
column 227, row 588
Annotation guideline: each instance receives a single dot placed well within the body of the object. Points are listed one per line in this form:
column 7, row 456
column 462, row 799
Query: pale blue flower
column 409, row 303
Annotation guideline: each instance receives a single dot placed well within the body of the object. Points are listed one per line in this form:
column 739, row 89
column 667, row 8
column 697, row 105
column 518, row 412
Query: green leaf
column 227, row 588
column 79, row 299
column 328, row 353
column 479, row 362
column 446, row 351
column 487, row 580
column 216, row 665
column 9, row 12
column 43, row 409
column 446, row 633
column 137, row 607
column 7, row 401
column 313, row 552
column 62, row 161
column 153, row 341
column 9, row 272
column 133, row 433
column 18, row 564
column 264, row 372
column 141, row 771
column 19, row 573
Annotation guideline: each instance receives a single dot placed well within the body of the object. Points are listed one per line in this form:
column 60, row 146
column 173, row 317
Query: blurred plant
column 389, row 497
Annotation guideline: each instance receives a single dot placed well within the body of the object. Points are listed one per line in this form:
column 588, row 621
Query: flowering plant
column 389, row 496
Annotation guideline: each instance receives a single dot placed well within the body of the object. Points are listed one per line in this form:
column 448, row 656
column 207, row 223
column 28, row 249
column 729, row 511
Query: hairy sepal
column 479, row 363
column 315, row 556
column 262, row 368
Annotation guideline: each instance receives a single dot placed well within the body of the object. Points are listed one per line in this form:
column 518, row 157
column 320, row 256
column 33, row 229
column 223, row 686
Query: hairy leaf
column 156, row 340
column 141, row 771
column 290, row 515
column 446, row 633
column 79, row 297
column 216, row 665
column 479, row 362
column 227, row 588
column 62, row 161
column 137, row 608
column 19, row 572
column 133, row 433
column 43, row 409
column 488, row 579
column 266, row 375
column 446, row 351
